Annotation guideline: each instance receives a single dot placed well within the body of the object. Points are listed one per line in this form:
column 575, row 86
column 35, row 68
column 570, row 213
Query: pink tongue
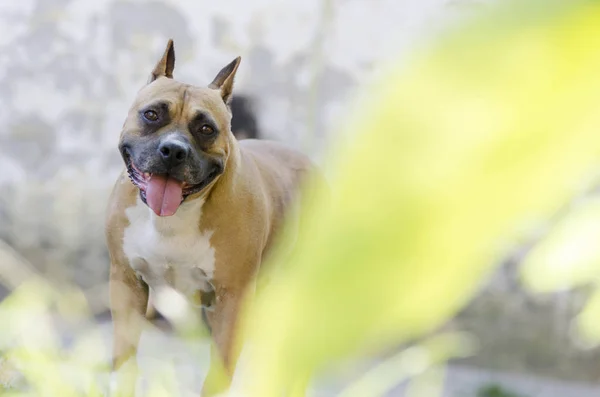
column 164, row 194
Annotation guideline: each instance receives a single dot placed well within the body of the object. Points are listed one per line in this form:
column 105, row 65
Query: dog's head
column 177, row 138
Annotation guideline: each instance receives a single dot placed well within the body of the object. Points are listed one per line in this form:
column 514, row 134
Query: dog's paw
column 122, row 382
column 110, row 384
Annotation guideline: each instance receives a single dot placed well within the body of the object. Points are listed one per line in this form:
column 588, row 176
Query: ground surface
column 190, row 358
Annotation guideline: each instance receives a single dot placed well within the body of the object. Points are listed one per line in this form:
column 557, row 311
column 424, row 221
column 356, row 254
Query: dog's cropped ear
column 224, row 80
column 165, row 66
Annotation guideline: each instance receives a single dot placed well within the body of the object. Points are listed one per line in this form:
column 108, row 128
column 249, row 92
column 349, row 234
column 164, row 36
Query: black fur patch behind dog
column 244, row 123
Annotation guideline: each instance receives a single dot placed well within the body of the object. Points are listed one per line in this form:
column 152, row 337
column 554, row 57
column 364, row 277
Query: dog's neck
column 233, row 160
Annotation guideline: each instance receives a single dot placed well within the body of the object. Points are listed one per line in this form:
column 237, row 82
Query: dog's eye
column 150, row 115
column 207, row 130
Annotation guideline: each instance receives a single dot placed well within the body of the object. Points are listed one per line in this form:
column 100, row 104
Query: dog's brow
column 157, row 104
column 200, row 116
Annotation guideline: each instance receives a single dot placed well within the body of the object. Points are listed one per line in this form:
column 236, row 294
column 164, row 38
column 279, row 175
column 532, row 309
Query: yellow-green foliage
column 449, row 159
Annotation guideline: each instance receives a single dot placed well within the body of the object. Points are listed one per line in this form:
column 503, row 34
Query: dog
column 244, row 125
column 195, row 210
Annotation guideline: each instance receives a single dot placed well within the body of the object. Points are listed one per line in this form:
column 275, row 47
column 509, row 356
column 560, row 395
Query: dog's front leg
column 223, row 321
column 128, row 301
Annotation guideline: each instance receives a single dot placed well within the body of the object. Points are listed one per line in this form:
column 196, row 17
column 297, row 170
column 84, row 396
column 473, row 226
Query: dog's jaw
column 140, row 180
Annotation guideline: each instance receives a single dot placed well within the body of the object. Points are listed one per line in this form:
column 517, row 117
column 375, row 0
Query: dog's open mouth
column 161, row 192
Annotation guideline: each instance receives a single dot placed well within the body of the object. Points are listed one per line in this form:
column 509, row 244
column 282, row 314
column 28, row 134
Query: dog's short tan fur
column 243, row 208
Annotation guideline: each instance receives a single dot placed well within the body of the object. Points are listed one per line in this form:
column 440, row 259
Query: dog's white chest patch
column 170, row 251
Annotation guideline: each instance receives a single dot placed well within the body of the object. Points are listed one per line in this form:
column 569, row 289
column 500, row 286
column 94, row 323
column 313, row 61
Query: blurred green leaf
column 412, row 362
column 569, row 256
column 496, row 391
column 490, row 129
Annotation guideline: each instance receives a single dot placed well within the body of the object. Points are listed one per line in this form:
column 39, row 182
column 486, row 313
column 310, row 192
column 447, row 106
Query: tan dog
column 195, row 210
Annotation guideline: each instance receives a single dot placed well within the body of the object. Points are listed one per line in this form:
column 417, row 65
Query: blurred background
column 69, row 70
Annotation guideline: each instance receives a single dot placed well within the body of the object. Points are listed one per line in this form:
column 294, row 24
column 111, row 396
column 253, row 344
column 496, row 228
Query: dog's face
column 177, row 138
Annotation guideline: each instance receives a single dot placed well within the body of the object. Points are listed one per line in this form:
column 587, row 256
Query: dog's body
column 200, row 212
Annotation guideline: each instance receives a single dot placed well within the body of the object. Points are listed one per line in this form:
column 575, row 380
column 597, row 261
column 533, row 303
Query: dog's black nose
column 173, row 152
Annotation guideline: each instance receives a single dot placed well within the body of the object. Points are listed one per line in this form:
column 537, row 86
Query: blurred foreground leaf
column 491, row 129
column 412, row 362
column 569, row 256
